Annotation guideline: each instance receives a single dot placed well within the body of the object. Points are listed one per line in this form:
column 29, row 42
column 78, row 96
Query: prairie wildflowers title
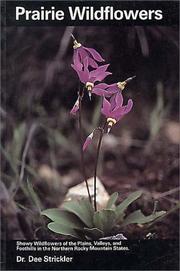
column 87, row 13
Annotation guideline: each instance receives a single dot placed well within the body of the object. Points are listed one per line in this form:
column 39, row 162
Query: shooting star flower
column 115, row 111
column 90, row 77
column 81, row 52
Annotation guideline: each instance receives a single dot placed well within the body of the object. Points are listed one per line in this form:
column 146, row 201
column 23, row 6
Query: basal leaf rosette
column 77, row 218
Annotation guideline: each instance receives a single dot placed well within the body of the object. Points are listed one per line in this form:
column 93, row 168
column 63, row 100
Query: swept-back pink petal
column 117, row 113
column 98, row 91
column 92, row 79
column 94, row 54
column 92, row 63
column 127, row 108
column 116, row 100
column 85, row 62
column 102, row 76
column 83, row 75
column 83, row 54
column 120, row 111
column 76, row 60
column 102, row 85
column 87, row 141
column 106, row 107
column 112, row 89
column 99, row 70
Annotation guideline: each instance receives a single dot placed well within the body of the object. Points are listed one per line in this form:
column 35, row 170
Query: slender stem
column 81, row 146
column 96, row 164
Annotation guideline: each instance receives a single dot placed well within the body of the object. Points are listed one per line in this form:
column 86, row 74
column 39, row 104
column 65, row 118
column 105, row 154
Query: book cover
column 89, row 135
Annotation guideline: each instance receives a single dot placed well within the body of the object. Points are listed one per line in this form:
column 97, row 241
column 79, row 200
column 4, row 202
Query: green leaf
column 63, row 217
column 112, row 200
column 104, row 220
column 62, row 229
column 123, row 206
column 175, row 208
column 34, row 196
column 93, row 233
column 82, row 209
column 137, row 217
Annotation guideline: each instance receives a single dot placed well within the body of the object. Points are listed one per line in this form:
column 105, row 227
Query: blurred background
column 39, row 138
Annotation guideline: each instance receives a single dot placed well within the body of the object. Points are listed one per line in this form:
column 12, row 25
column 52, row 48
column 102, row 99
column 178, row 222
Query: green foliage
column 63, row 229
column 104, row 220
column 123, row 206
column 112, row 200
column 77, row 218
column 137, row 217
column 82, row 209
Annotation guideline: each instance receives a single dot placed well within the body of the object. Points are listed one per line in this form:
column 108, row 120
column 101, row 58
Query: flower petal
column 102, row 85
column 98, row 91
column 82, row 53
column 116, row 100
column 127, row 108
column 76, row 60
column 119, row 112
column 102, row 76
column 83, row 75
column 106, row 107
column 100, row 73
column 92, row 63
column 94, row 54
column 85, row 62
column 112, row 89
column 99, row 70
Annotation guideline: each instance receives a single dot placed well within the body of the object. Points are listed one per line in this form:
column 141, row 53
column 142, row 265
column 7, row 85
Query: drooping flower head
column 114, row 110
column 81, row 52
column 90, row 77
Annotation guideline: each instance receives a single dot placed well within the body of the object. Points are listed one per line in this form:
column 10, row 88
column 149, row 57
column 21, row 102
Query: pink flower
column 75, row 108
column 114, row 109
column 86, row 76
column 81, row 52
column 88, row 141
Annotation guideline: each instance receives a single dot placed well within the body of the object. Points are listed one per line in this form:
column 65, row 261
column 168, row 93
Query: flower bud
column 75, row 108
column 88, row 141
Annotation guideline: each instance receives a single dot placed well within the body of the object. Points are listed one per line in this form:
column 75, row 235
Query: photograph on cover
column 89, row 140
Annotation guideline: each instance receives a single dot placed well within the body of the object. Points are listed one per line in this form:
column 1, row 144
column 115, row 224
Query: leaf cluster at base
column 78, row 219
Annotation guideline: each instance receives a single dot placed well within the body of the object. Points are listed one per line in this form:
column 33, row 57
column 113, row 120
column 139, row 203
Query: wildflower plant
column 81, row 218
